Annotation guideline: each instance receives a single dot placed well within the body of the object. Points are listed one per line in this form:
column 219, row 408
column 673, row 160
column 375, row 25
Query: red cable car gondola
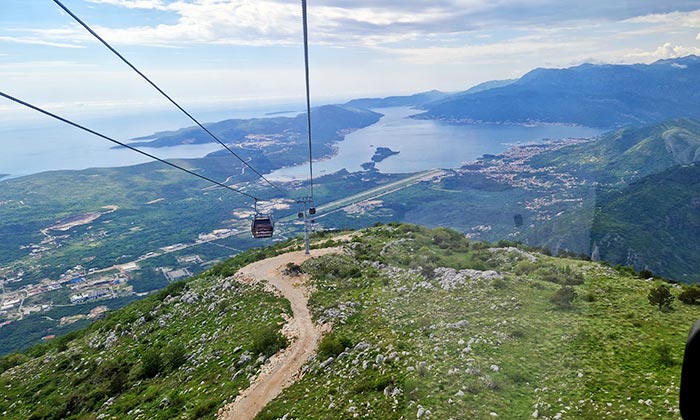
column 262, row 226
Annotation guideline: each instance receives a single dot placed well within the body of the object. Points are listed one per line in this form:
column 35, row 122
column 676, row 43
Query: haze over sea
column 41, row 144
column 46, row 145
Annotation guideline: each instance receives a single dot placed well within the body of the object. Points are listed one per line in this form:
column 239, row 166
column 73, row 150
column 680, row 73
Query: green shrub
column 373, row 383
column 268, row 341
column 517, row 333
column 332, row 345
column 661, row 296
column 173, row 289
column 663, row 352
column 626, row 270
column 12, row 360
column 524, row 267
column 49, row 412
column 151, row 364
column 446, row 238
column 564, row 297
column 589, row 297
column 565, row 276
column 174, row 356
column 428, row 271
column 203, row 409
column 117, row 383
column 413, row 389
column 500, row 284
column 690, row 295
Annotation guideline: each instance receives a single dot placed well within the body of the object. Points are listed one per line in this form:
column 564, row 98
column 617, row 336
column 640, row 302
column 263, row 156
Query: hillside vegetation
column 644, row 197
column 425, row 323
column 653, row 223
column 429, row 325
column 181, row 353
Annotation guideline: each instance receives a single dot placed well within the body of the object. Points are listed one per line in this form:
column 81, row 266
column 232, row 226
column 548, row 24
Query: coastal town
column 512, row 168
column 81, row 285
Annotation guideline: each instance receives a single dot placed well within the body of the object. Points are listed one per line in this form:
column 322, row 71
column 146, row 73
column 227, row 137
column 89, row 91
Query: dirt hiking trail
column 284, row 367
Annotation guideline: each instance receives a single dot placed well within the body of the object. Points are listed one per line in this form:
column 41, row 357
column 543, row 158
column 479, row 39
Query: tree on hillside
column 661, row 296
column 690, row 295
column 564, row 297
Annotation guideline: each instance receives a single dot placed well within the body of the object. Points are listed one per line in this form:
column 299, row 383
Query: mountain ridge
column 630, row 153
column 591, row 95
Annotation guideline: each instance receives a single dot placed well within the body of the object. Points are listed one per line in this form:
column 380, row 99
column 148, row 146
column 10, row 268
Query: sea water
column 39, row 144
column 427, row 144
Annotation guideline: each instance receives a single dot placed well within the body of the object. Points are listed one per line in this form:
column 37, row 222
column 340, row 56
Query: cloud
column 369, row 22
column 244, row 22
column 500, row 51
column 133, row 4
column 38, row 41
column 679, row 66
column 678, row 19
column 402, row 45
column 667, row 50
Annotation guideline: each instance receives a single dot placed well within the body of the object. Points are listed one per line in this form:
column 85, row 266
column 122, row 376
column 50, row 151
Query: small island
column 382, row 153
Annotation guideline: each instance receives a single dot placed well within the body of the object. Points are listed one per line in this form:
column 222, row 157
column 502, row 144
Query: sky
column 212, row 53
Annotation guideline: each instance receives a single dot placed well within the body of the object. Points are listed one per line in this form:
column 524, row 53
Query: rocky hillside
column 429, row 325
column 425, row 324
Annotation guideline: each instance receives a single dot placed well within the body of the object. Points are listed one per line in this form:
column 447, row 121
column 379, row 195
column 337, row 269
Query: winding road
column 284, row 367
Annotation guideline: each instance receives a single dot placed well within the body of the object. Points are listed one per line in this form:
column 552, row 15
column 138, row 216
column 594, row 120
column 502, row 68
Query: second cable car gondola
column 262, row 226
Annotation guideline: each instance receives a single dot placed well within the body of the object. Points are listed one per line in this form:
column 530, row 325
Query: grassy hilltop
column 425, row 323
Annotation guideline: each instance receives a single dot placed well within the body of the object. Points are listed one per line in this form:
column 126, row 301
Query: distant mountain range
column 413, row 100
column 419, row 100
column 590, row 95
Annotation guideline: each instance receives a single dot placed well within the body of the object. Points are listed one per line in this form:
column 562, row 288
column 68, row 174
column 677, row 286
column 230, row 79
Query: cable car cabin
column 262, row 226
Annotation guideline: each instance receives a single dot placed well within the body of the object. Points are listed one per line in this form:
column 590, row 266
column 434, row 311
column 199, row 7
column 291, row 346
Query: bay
column 426, row 144
column 423, row 144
